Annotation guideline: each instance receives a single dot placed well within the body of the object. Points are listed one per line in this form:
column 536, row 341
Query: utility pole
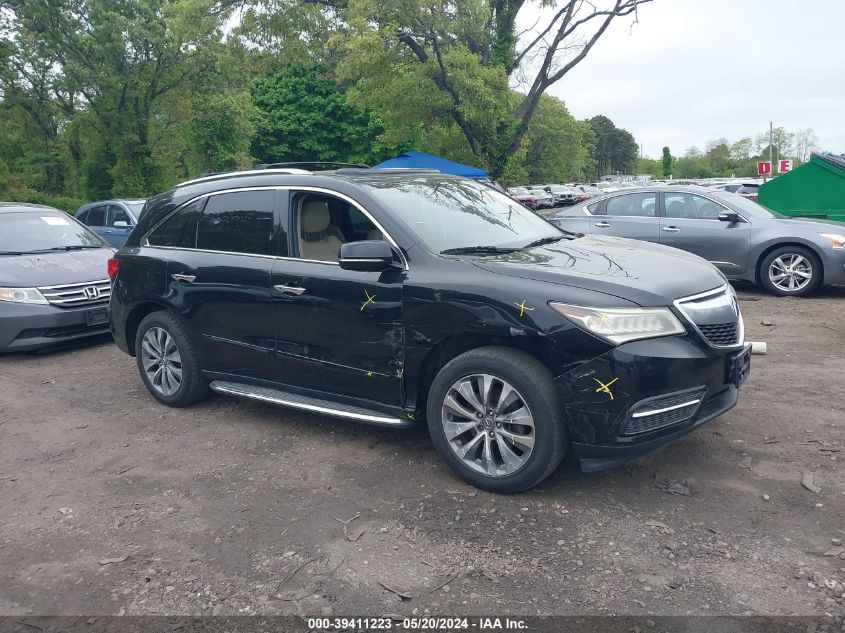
column 771, row 146
column 771, row 150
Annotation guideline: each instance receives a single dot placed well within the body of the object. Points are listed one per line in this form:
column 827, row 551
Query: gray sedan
column 788, row 257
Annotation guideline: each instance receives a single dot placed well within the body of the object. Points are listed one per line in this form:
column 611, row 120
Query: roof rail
column 392, row 170
column 315, row 163
column 250, row 172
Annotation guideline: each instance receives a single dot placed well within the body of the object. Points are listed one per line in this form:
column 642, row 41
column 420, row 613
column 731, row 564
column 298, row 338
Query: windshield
column 38, row 231
column 135, row 207
column 746, row 206
column 519, row 191
column 455, row 214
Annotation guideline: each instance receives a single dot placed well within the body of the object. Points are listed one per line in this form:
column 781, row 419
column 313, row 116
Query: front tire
column 791, row 271
column 167, row 361
column 495, row 418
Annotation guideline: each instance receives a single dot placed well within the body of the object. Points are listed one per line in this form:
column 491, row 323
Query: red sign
column 784, row 166
column 764, row 168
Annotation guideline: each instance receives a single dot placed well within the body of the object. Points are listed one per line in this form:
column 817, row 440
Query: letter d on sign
column 764, row 168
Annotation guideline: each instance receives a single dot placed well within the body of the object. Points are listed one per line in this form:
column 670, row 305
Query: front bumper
column 834, row 266
column 25, row 327
column 641, row 395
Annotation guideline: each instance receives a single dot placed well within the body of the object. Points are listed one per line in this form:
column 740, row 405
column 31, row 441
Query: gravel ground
column 114, row 504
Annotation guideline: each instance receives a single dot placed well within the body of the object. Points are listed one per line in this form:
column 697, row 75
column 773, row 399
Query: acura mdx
column 392, row 297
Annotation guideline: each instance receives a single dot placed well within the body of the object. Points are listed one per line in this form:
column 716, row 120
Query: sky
column 696, row 70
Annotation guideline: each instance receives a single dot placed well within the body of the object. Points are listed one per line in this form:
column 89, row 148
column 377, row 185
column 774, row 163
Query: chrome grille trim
column 646, row 413
column 725, row 291
column 77, row 295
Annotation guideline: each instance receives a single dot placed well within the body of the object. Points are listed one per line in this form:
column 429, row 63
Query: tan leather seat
column 315, row 242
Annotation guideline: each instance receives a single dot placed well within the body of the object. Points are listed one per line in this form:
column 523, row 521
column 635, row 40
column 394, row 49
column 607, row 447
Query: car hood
column 54, row 269
column 811, row 225
column 647, row 274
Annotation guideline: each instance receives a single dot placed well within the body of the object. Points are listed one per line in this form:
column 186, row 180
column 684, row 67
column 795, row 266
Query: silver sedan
column 788, row 257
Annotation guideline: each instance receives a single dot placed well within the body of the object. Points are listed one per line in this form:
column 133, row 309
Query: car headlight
column 620, row 325
column 22, row 295
column 836, row 240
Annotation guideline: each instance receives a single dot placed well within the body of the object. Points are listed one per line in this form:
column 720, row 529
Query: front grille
column 91, row 293
column 716, row 316
column 721, row 333
column 663, row 411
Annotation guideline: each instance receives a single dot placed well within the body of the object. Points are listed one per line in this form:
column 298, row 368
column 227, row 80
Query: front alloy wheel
column 791, row 271
column 495, row 417
column 488, row 425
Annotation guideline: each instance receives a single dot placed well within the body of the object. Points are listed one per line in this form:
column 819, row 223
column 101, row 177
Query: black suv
column 393, row 296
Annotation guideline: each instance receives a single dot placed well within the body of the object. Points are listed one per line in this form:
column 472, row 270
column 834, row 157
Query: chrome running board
column 306, row 403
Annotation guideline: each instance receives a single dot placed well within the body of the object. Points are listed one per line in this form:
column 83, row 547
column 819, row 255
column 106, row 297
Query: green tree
column 109, row 66
column 455, row 61
column 555, row 150
column 302, row 116
column 667, row 163
column 615, row 151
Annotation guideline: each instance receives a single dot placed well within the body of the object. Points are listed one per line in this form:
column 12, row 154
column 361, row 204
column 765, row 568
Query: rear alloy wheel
column 494, row 416
column 791, row 271
column 167, row 362
column 161, row 361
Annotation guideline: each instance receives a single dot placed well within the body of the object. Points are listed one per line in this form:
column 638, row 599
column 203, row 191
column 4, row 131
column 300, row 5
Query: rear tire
column 791, row 271
column 508, row 441
column 167, row 362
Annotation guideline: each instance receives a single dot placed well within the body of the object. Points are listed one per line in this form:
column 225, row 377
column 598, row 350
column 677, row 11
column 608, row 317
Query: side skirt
column 289, row 399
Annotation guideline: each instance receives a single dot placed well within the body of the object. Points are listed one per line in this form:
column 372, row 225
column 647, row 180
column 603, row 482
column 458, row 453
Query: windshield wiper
column 478, row 250
column 12, row 253
column 73, row 247
column 546, row 240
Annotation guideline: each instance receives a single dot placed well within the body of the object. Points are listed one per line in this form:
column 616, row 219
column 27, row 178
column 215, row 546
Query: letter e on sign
column 784, row 166
column 764, row 168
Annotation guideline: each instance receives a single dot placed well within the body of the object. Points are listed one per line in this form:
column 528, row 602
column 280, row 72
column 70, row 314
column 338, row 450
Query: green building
column 816, row 189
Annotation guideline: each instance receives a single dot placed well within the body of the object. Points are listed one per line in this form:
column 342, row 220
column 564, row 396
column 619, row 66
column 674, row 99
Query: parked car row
column 788, row 257
column 548, row 196
column 408, row 296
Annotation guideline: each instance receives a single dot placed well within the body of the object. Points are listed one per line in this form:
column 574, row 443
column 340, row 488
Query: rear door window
column 632, row 205
column 238, row 222
column 96, row 216
column 179, row 230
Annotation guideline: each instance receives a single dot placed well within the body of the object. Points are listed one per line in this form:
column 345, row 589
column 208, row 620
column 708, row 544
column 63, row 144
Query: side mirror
column 729, row 216
column 121, row 224
column 372, row 256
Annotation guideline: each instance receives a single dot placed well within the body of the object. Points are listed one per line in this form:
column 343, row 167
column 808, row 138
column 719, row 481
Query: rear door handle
column 289, row 290
column 671, row 229
column 603, row 225
column 185, row 278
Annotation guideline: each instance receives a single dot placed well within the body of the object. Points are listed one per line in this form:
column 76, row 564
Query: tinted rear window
column 178, row 230
column 240, row 222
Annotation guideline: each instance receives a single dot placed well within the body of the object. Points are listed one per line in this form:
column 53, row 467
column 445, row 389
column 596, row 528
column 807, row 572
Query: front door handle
column 671, row 229
column 603, row 225
column 185, row 278
column 289, row 290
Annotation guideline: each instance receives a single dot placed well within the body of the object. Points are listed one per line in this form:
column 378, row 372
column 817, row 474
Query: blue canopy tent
column 420, row 160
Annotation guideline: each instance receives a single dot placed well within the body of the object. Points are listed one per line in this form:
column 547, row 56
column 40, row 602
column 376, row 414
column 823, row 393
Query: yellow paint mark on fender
column 368, row 301
column 605, row 387
column 523, row 308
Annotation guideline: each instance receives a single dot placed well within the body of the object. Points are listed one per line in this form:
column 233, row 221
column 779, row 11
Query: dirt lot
column 233, row 507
